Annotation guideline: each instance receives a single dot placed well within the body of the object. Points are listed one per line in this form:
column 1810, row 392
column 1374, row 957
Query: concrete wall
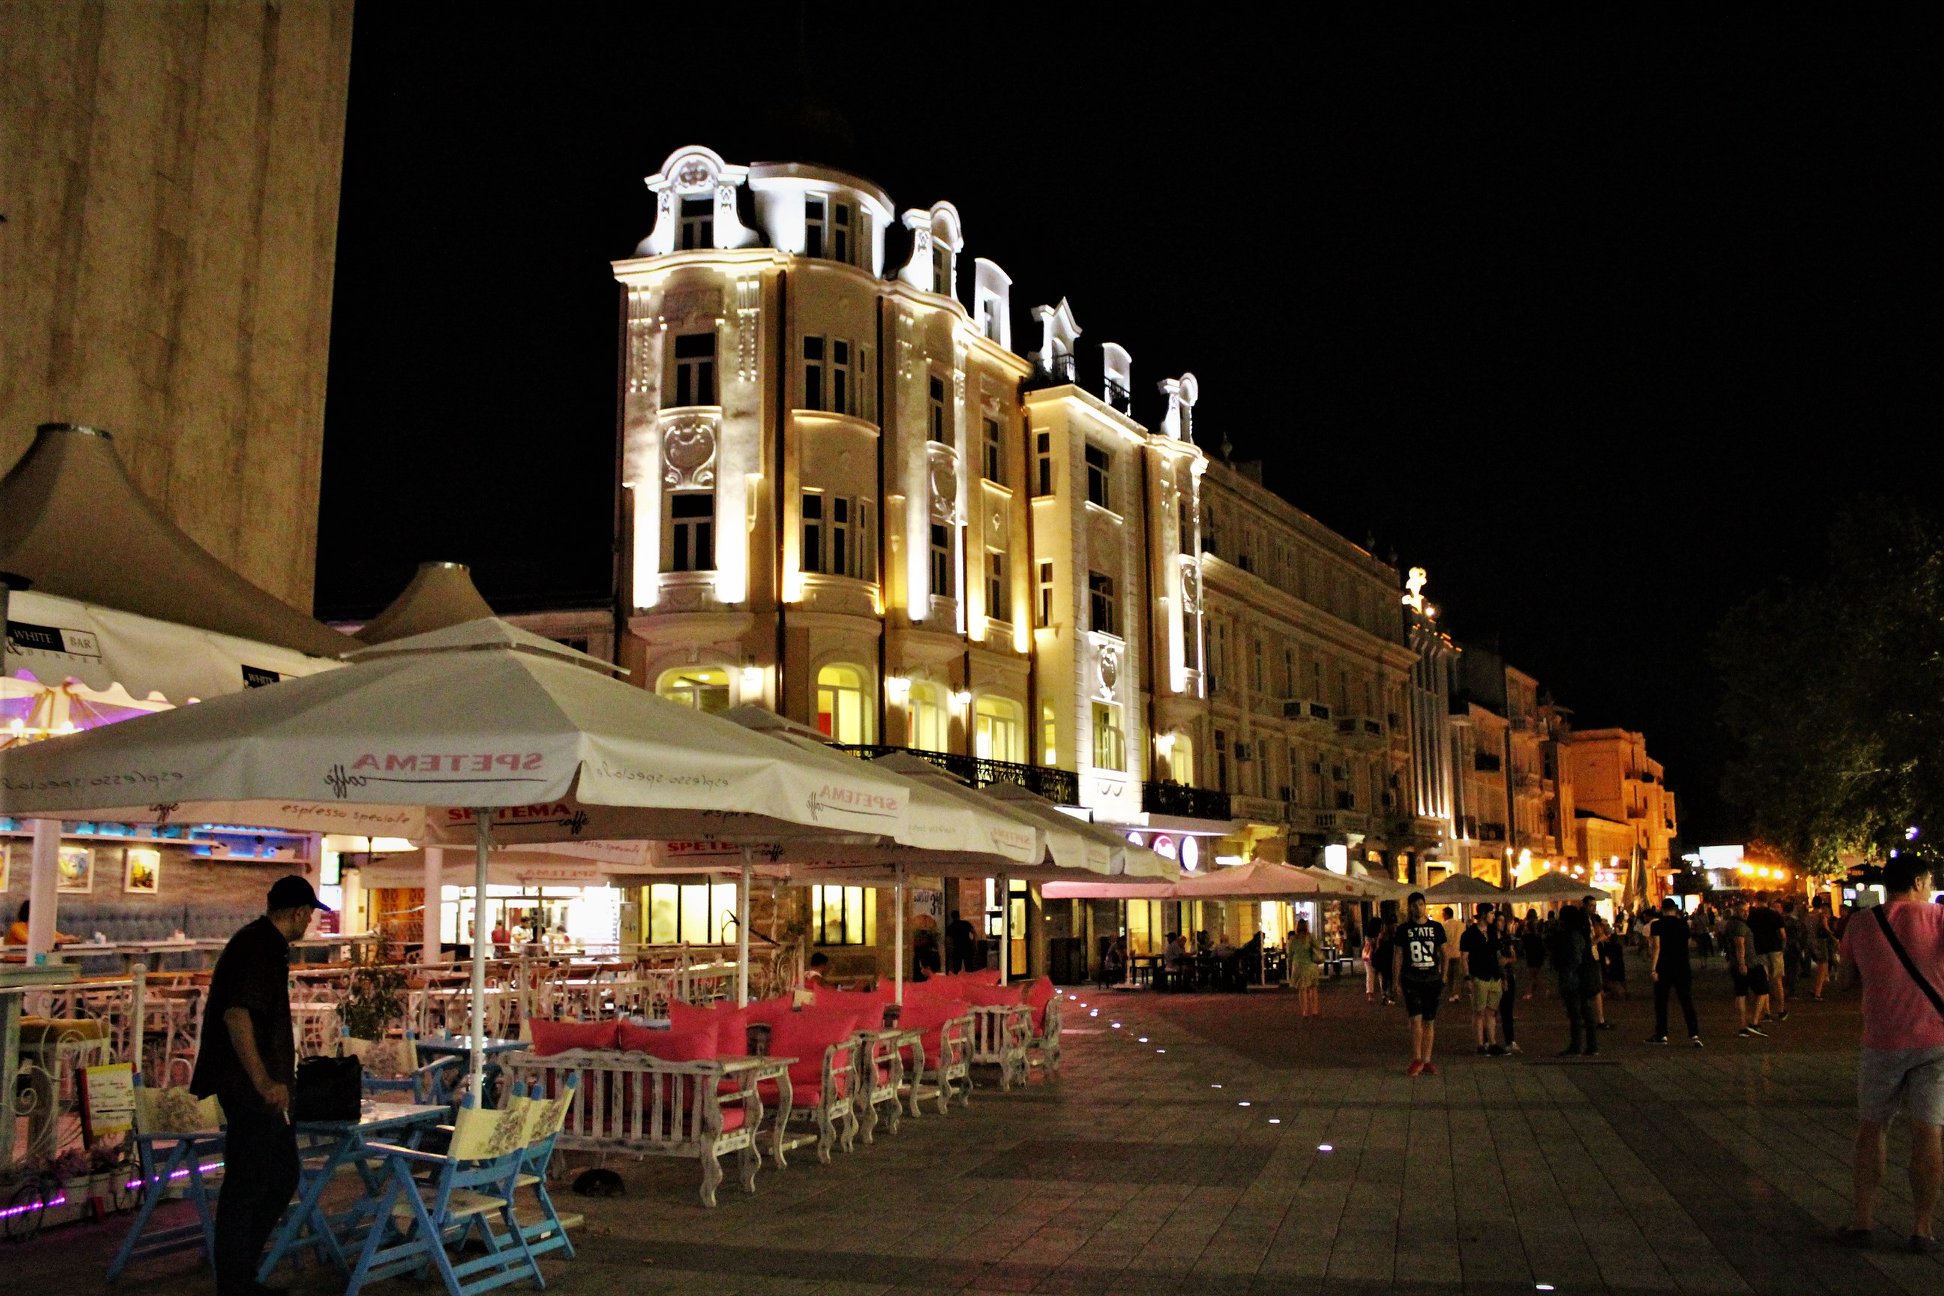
column 170, row 183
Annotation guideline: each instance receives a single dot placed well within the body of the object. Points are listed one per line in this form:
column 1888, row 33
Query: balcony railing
column 1187, row 802
column 1057, row 785
column 1119, row 397
column 1053, row 371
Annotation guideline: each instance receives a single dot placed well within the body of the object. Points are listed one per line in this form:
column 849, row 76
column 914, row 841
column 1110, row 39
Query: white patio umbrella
column 1556, row 886
column 1465, row 889
column 481, row 732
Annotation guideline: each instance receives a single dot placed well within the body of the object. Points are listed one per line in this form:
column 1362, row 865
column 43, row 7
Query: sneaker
column 1605, row 1026
column 1921, row 1245
column 1567, row 1052
column 1414, row 1069
column 1783, row 1015
column 1514, row 1048
column 1497, row 1050
column 1695, row 1040
column 1430, row 1068
column 1851, row 1237
column 1657, row 1039
column 1754, row 1032
column 1482, row 1050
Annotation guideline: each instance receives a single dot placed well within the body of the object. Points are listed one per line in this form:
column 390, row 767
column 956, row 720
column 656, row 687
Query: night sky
column 1595, row 323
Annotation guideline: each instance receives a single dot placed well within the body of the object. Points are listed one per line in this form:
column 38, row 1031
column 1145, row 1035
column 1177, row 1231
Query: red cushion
column 866, row 1004
column 803, row 1093
column 695, row 1044
column 550, row 1037
column 769, row 1010
column 1039, row 994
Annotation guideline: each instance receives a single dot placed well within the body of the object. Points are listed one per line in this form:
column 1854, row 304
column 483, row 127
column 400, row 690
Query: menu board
column 107, row 1100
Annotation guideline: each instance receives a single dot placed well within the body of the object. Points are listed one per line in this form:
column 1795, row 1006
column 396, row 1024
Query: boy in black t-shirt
column 1417, row 965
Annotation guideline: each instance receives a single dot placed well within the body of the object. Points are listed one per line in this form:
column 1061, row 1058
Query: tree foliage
column 1834, row 690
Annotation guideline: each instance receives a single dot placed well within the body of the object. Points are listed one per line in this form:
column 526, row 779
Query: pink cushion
column 804, row 1036
column 768, row 1011
column 550, row 1037
column 1039, row 994
column 696, row 1044
column 866, row 1004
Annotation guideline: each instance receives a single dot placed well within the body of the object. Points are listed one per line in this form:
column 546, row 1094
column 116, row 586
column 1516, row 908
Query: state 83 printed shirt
column 1423, row 945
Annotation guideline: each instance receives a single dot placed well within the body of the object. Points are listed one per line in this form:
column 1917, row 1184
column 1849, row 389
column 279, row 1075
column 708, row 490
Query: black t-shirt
column 958, row 935
column 1766, row 926
column 1672, row 932
column 253, row 973
column 1423, row 946
column 1481, row 953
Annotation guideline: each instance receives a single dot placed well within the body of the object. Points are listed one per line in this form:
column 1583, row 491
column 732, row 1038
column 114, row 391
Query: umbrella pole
column 1005, row 929
column 898, row 896
column 483, row 843
column 742, row 934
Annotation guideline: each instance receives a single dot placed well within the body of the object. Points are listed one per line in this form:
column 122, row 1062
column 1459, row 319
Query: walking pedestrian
column 1898, row 949
column 1749, row 978
column 1822, row 944
column 1572, row 958
column 1454, row 966
column 1417, row 965
column 1667, row 957
column 1480, row 947
column 1598, row 933
column 1532, row 942
column 1508, row 952
column 958, row 944
column 1305, row 969
column 1771, row 945
column 248, row 1060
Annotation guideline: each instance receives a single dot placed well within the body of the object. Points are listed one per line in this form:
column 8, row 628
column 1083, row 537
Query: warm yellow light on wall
column 752, row 682
column 897, row 688
column 962, row 699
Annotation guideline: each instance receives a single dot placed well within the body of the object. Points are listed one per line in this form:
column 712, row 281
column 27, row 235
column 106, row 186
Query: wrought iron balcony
column 1057, row 785
column 1187, row 802
column 1052, row 371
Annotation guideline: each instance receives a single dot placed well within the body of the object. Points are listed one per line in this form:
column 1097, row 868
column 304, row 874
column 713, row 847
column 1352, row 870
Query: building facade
column 169, row 246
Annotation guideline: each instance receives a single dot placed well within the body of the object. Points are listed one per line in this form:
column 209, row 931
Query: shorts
column 1750, row 984
column 1906, row 1080
column 1485, row 995
column 1421, row 998
column 1777, row 963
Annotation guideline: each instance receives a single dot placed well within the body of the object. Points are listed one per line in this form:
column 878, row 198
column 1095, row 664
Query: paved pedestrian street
column 1217, row 1143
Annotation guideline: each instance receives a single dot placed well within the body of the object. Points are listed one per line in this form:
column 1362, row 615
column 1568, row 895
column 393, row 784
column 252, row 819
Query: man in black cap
column 248, row 1059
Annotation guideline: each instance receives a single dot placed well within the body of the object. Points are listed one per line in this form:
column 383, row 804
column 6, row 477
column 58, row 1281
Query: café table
column 325, row 1148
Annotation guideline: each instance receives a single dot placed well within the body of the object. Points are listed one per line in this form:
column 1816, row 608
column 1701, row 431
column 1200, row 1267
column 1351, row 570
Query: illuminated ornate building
column 1309, row 711
column 1624, row 813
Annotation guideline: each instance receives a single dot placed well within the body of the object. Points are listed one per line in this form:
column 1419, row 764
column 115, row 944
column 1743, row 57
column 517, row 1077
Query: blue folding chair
column 464, row 1189
column 175, row 1136
column 392, row 1071
column 548, row 1117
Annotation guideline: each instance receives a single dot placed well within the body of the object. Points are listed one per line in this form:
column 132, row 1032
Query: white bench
column 999, row 1037
column 637, row 1105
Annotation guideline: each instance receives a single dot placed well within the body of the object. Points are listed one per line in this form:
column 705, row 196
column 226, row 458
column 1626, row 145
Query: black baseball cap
column 291, row 892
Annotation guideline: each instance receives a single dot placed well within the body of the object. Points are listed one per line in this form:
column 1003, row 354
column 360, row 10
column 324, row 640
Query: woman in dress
column 1305, row 968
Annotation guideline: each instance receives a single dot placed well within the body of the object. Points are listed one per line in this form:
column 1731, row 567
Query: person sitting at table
column 1113, row 963
column 1174, row 961
column 17, row 934
column 248, row 1059
column 814, row 978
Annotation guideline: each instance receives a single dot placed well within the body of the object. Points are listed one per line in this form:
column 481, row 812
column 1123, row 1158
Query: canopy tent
column 439, row 595
column 481, row 731
column 1556, row 886
column 74, row 524
column 558, row 864
column 1122, row 856
column 1256, row 880
column 1465, row 890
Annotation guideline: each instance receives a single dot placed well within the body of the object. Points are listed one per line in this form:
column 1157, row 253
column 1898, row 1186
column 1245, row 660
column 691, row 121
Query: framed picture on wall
column 142, row 871
column 76, row 870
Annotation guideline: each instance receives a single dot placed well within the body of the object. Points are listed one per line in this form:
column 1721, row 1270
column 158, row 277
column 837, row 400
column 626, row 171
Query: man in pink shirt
column 1902, row 1062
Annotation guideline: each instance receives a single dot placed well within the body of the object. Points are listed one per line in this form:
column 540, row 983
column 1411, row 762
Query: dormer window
column 991, row 297
column 697, row 228
column 941, row 269
column 1058, row 333
column 1117, row 387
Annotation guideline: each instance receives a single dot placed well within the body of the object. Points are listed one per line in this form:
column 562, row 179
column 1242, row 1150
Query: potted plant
column 105, row 1163
column 68, row 1167
column 375, row 999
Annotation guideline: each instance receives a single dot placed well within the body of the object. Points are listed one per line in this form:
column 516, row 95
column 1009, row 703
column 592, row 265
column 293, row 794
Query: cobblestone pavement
column 1220, row 1144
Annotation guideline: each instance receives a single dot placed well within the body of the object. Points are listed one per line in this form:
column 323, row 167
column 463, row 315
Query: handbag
column 1903, row 957
column 327, row 1089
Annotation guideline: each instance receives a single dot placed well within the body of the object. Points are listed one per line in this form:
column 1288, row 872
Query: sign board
column 107, row 1100
column 927, row 901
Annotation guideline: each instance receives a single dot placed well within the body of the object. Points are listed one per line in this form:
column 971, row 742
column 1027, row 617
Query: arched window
column 706, row 688
column 843, row 710
column 931, row 726
column 999, row 730
column 1181, row 759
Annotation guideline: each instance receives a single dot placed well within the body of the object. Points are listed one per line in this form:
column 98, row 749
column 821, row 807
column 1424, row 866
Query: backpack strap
column 1903, row 957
